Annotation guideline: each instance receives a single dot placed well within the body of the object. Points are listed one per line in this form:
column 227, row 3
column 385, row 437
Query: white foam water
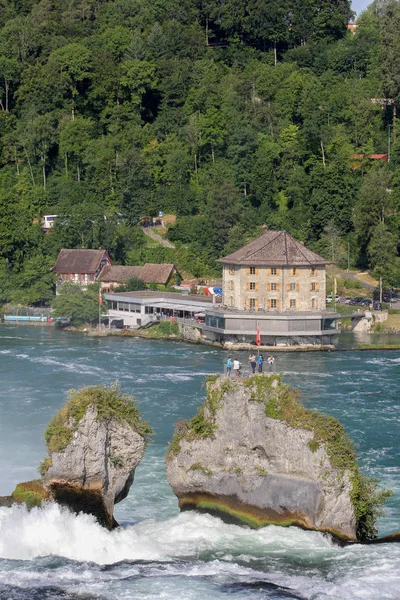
column 190, row 546
column 157, row 553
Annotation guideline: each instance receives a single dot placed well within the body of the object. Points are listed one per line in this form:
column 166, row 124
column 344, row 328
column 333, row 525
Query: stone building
column 276, row 273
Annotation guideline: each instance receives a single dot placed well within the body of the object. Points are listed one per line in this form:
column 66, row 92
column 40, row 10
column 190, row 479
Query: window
column 231, row 270
column 273, row 271
column 294, row 271
column 252, row 270
column 313, row 287
column 252, row 285
column 252, row 303
column 273, row 302
column 273, row 287
column 292, row 287
column 313, row 271
column 231, row 285
column 314, row 303
column 292, row 303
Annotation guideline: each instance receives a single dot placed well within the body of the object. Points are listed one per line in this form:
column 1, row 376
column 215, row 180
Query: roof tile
column 274, row 248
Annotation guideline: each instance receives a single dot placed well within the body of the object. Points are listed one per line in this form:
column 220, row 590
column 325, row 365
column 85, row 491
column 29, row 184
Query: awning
column 199, row 314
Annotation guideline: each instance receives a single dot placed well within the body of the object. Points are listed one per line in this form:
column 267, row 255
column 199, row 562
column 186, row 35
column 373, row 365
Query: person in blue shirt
column 228, row 367
column 260, row 361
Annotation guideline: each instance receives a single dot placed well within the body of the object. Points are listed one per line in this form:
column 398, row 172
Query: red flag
column 100, row 298
column 258, row 336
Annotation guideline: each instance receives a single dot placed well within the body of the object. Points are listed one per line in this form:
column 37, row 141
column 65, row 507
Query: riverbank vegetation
column 228, row 115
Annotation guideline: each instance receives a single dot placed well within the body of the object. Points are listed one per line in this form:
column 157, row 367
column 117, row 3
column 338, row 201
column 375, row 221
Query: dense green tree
column 77, row 304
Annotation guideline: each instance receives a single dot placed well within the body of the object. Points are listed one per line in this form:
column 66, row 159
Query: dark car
column 365, row 302
column 355, row 301
column 377, row 306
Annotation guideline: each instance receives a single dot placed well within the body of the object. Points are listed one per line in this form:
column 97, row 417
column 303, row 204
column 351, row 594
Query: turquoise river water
column 159, row 553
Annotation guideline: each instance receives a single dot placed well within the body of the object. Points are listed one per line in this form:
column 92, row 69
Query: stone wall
column 269, row 288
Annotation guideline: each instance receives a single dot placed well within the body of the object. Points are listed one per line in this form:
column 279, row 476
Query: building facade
column 80, row 266
column 275, row 273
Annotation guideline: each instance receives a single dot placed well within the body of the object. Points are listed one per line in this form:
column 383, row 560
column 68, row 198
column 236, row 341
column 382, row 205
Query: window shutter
column 278, row 287
column 247, row 286
column 316, row 271
column 269, row 272
column 278, row 272
column 288, row 287
column 317, row 287
column 256, row 306
column 291, row 272
column 268, row 287
column 256, row 270
column 247, row 270
column 297, row 287
column 247, row 303
column 278, row 304
column 288, row 303
column 311, row 287
column 268, row 303
column 256, row 286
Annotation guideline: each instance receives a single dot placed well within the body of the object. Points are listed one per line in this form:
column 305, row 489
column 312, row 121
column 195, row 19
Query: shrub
column 110, row 404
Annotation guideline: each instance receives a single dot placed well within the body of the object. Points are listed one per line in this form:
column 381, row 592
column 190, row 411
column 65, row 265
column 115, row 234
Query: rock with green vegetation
column 94, row 443
column 253, row 454
column 30, row 493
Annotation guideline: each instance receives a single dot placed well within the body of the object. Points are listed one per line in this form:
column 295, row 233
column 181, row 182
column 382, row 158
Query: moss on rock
column 30, row 493
column 110, row 404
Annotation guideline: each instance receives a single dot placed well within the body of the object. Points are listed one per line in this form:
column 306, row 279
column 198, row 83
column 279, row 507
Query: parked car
column 356, row 301
column 376, row 306
column 347, row 300
column 365, row 302
column 329, row 299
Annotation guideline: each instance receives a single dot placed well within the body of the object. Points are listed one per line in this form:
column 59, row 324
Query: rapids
column 158, row 553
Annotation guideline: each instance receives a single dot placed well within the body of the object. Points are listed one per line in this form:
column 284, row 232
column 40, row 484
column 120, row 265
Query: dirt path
column 157, row 238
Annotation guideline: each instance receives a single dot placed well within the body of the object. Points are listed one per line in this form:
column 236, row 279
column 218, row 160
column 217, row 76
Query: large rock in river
column 254, row 454
column 95, row 443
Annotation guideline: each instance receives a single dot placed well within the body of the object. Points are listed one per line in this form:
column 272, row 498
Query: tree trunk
column 16, row 159
column 66, row 164
column 323, row 154
column 207, row 30
column 212, row 153
column 275, row 54
column 380, row 289
column 78, row 173
column 394, row 122
column 44, row 172
column 6, row 89
column 30, row 167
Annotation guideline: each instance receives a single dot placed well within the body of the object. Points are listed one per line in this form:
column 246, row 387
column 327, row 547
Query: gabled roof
column 274, row 248
column 79, row 261
column 147, row 273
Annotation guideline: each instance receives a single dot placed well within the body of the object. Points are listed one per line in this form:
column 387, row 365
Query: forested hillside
column 230, row 113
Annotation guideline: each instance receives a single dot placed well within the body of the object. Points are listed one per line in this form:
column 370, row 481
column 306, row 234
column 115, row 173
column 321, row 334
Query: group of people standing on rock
column 255, row 362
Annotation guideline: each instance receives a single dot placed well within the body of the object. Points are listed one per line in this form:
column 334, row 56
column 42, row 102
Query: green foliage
column 132, row 284
column 167, row 328
column 199, row 467
column 368, row 501
column 30, row 493
column 261, row 472
column 215, row 111
column 81, row 306
column 110, row 404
